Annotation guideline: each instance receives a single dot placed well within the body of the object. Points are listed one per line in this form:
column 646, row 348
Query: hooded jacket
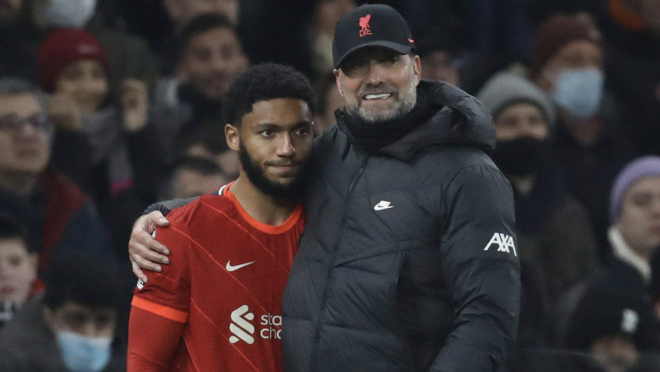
column 408, row 261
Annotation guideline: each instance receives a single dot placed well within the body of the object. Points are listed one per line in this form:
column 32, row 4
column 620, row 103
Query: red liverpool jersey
column 225, row 282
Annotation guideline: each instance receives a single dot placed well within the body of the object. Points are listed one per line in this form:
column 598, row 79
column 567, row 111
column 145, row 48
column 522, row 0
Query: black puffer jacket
column 408, row 260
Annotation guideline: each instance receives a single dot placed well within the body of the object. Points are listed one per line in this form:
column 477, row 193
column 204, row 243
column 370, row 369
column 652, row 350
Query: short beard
column 401, row 108
column 275, row 190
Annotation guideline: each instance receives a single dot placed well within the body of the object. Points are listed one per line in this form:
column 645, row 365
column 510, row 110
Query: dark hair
column 12, row 228
column 265, row 82
column 203, row 24
column 197, row 164
column 83, row 278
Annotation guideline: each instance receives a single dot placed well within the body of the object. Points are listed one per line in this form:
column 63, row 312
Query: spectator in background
column 556, row 243
column 211, row 59
column 632, row 32
column 330, row 100
column 59, row 215
column 322, row 29
column 615, row 329
column 635, row 216
column 180, row 14
column 108, row 147
column 18, row 268
column 17, row 57
column 634, row 235
column 196, row 177
column 128, row 56
column 72, row 327
column 439, row 63
column 567, row 64
column 10, row 11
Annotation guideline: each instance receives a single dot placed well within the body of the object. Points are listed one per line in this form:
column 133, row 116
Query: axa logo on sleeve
column 242, row 328
column 504, row 243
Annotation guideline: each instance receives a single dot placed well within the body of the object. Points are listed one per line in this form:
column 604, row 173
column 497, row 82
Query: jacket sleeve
column 481, row 269
column 166, row 207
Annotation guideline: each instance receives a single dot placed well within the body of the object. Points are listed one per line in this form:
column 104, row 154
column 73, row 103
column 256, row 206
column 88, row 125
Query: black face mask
column 520, row 157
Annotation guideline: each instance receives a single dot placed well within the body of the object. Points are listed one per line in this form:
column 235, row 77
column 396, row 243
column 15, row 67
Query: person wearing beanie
column 615, row 328
column 634, row 236
column 105, row 144
column 567, row 65
column 18, row 267
column 72, row 326
column 635, row 216
column 556, row 243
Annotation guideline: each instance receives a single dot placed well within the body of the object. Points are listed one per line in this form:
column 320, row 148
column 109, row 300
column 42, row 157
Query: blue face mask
column 579, row 91
column 82, row 353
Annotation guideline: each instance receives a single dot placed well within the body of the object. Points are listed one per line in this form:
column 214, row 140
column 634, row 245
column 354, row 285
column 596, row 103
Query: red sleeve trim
column 158, row 309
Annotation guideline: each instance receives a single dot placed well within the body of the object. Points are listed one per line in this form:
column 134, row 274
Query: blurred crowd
column 107, row 106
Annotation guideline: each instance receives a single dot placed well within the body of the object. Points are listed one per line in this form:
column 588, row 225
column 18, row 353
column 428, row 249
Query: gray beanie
column 506, row 89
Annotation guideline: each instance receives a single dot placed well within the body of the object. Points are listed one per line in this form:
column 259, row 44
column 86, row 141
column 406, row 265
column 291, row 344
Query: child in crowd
column 18, row 268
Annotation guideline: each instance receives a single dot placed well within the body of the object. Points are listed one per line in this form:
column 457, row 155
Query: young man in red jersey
column 217, row 306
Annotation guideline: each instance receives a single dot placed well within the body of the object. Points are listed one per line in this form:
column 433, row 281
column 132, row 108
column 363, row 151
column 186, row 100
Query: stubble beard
column 405, row 104
column 276, row 190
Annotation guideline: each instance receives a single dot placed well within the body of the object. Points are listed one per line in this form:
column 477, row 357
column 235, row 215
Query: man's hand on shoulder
column 143, row 250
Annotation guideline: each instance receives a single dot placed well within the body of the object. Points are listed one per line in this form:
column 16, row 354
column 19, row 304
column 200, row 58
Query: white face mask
column 69, row 13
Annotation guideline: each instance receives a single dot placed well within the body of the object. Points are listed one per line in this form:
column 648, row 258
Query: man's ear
column 417, row 69
column 232, row 136
column 336, row 72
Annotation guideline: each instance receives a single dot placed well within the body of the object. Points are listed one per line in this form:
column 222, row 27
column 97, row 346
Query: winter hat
column 647, row 166
column 556, row 32
column 506, row 89
column 61, row 49
column 603, row 313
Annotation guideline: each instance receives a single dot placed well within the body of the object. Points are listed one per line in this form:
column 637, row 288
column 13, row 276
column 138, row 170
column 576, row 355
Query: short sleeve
column 168, row 293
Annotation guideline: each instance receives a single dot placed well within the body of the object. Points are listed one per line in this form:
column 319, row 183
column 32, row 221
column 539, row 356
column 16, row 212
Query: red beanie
column 556, row 32
column 61, row 49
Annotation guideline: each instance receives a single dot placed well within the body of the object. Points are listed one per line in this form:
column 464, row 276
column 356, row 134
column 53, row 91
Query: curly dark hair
column 265, row 82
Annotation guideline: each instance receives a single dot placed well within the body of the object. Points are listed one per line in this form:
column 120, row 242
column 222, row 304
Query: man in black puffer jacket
column 408, row 261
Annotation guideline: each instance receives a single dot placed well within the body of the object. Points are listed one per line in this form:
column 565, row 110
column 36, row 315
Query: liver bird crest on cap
column 364, row 23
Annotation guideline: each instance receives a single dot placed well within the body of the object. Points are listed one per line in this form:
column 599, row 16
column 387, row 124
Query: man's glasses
column 14, row 123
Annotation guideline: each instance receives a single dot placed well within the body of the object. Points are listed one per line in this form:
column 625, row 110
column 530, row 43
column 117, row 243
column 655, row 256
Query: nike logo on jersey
column 231, row 268
column 383, row 205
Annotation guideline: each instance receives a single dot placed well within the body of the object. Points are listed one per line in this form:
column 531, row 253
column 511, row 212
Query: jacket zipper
column 317, row 334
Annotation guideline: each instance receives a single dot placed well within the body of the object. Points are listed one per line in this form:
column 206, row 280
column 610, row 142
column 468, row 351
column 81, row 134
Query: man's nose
column 218, row 63
column 28, row 130
column 285, row 147
column 376, row 74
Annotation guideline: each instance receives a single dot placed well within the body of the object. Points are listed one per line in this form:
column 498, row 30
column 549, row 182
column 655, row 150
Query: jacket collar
column 626, row 254
column 459, row 120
